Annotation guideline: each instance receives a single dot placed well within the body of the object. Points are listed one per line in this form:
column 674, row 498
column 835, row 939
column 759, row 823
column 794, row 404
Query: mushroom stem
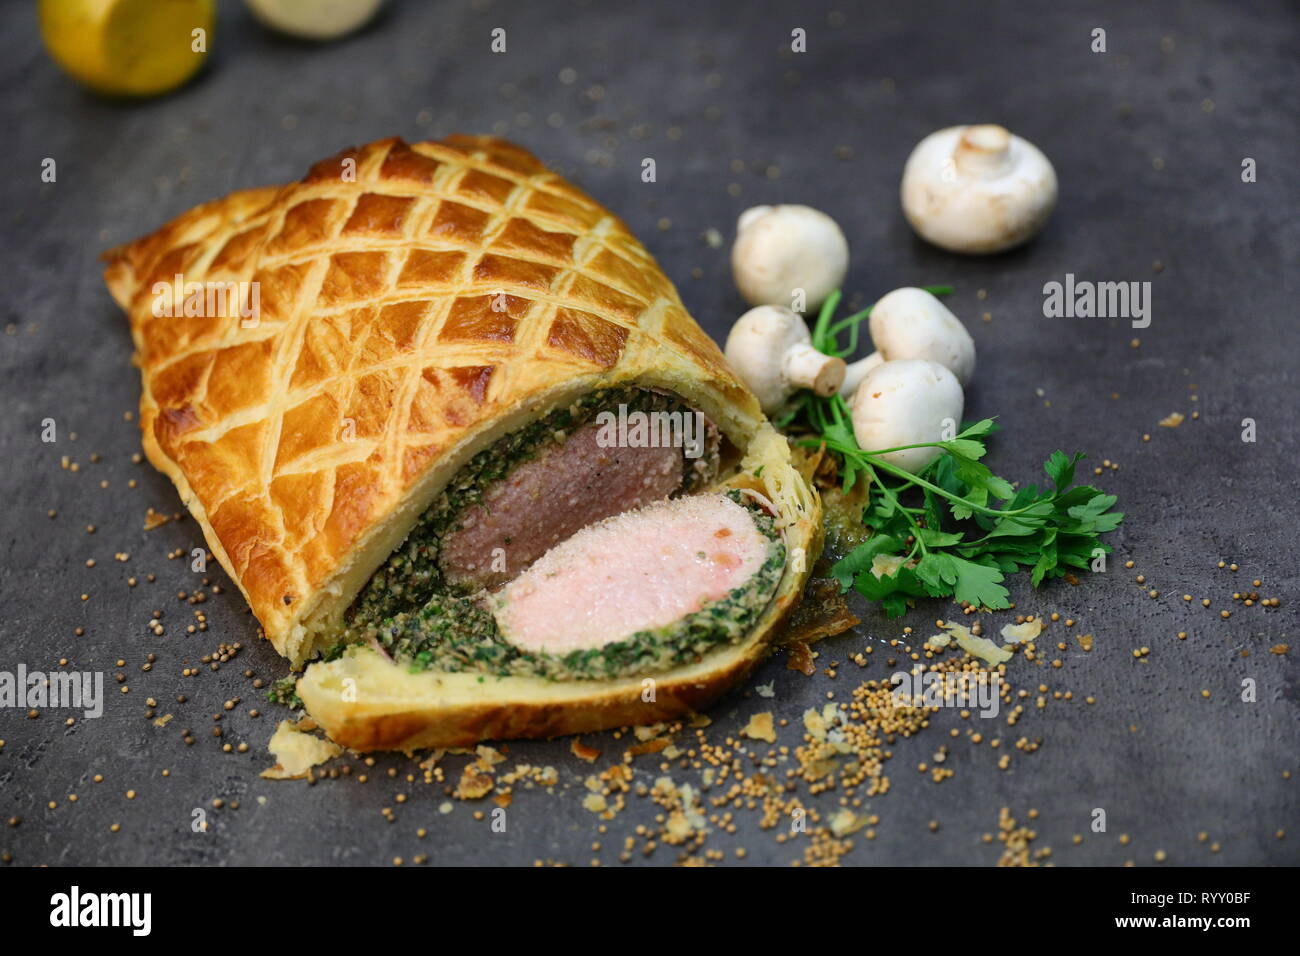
column 855, row 372
column 771, row 351
column 983, row 150
column 805, row 367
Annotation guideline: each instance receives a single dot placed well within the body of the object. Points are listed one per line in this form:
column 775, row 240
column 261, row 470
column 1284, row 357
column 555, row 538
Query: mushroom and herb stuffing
column 556, row 553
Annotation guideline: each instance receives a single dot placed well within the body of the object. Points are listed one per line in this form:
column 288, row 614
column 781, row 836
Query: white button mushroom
column 770, row 349
column 905, row 403
column 977, row 189
column 911, row 323
column 314, row 19
column 783, row 248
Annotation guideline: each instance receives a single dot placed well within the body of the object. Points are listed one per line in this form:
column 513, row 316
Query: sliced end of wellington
column 468, row 453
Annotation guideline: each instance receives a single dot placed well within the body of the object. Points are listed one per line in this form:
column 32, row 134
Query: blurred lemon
column 128, row 47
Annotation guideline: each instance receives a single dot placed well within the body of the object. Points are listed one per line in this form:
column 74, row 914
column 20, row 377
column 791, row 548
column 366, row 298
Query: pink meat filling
column 638, row 571
column 549, row 498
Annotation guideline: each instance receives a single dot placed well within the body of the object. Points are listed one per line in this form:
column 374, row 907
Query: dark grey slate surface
column 1149, row 172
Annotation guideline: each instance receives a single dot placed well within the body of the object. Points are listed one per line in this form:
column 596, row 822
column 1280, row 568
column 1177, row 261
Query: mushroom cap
column 904, row 403
column 911, row 323
column 977, row 189
column 782, row 248
column 314, row 21
column 756, row 348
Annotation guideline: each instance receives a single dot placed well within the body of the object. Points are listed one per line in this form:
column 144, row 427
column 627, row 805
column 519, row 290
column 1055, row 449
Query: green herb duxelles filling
column 411, row 576
column 421, row 619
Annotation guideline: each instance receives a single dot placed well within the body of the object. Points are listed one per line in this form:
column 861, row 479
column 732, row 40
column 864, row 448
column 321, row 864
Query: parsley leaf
column 860, row 561
column 967, row 582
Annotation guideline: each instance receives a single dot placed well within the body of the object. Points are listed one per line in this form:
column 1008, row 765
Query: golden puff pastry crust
column 416, row 303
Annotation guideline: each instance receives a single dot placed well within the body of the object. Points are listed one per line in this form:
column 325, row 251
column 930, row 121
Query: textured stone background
column 1148, row 141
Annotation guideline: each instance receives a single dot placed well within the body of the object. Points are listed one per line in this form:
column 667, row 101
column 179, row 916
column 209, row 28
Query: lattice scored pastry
column 449, row 428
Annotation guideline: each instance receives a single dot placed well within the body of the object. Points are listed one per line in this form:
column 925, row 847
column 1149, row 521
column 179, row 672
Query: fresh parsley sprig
column 955, row 529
